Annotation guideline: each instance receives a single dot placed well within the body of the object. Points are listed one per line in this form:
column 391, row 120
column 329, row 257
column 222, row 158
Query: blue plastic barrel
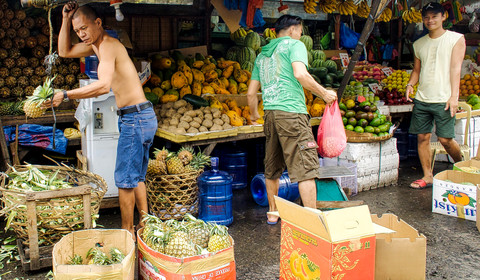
column 91, row 65
column 215, row 195
column 234, row 162
column 287, row 189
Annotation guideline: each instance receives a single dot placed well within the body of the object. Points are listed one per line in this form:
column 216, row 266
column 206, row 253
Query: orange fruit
column 468, row 82
column 469, row 87
column 467, row 77
column 462, row 199
column 471, row 91
column 462, row 81
column 451, row 199
column 475, row 82
column 464, row 92
column 463, row 87
column 476, row 87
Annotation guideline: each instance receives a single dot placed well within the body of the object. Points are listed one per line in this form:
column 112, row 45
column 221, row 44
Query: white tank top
column 435, row 57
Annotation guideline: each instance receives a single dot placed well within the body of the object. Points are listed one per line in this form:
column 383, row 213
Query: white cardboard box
column 452, row 198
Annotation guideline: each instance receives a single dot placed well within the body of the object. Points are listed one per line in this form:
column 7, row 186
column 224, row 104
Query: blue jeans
column 137, row 131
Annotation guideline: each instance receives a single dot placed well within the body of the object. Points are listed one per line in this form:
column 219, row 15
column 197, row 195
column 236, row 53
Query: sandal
column 421, row 184
column 272, row 222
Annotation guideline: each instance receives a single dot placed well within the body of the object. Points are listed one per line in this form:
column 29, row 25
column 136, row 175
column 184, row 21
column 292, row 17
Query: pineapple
column 40, row 22
column 2, row 82
column 185, row 155
column 6, row 43
column 70, row 79
column 174, row 164
column 42, row 41
column 22, row 81
column 28, row 71
column 62, row 70
column 40, row 71
column 219, row 239
column 198, row 232
column 11, row 33
column 161, row 154
column 33, row 62
column 96, row 256
column 3, row 53
column 31, row 42
column 17, row 92
column 156, row 167
column 32, row 106
column 14, row 53
column 116, row 255
column 4, row 72
column 11, row 81
column 35, row 80
column 15, row 24
column 29, row 23
column 4, row 23
column 180, row 248
column 5, row 108
column 20, row 14
column 23, row 32
column 28, row 90
column 19, row 42
column 17, row 108
column 198, row 162
column 153, row 233
column 46, row 30
column 75, row 260
column 67, row 60
column 2, row 32
column 38, row 52
column 81, row 76
column 9, row 62
column 22, row 62
column 16, row 72
column 4, row 92
column 73, row 68
column 59, row 81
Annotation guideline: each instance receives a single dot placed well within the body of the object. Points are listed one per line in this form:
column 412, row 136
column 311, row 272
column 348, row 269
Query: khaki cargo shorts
column 290, row 143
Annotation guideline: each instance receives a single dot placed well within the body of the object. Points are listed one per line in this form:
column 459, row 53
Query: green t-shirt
column 273, row 68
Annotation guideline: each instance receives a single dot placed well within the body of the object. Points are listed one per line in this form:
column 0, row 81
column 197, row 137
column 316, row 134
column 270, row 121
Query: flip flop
column 272, row 222
column 421, row 184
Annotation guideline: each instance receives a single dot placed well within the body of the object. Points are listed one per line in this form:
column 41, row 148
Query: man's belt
column 136, row 108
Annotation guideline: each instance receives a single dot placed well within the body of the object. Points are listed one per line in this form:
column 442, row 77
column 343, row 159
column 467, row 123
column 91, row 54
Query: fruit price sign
column 387, row 71
column 375, row 87
column 344, row 58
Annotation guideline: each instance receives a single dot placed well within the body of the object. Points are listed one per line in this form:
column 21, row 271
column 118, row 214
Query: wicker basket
column 56, row 217
column 354, row 137
column 172, row 196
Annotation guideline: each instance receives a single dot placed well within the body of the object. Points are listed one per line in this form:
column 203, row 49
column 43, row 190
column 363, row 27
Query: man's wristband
column 65, row 96
column 409, row 85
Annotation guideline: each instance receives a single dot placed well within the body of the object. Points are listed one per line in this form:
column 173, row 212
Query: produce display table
column 62, row 117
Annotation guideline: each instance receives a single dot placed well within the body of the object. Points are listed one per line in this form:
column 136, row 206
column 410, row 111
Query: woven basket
column 173, row 196
column 354, row 137
column 56, row 217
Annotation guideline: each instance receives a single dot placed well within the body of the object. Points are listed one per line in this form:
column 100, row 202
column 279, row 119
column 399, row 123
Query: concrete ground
column 452, row 244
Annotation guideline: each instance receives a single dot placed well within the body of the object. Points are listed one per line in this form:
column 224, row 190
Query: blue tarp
column 35, row 135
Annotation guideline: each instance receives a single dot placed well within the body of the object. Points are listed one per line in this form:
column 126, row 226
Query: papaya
column 166, row 85
column 210, row 76
column 198, row 64
column 185, row 90
column 225, row 63
column 207, row 68
column 235, row 119
column 158, row 91
column 198, row 76
column 242, row 88
column 184, row 67
column 188, row 74
column 165, row 63
column 214, row 103
column 240, row 75
column 208, row 89
column 227, row 72
column 155, row 80
column 196, row 88
column 218, row 89
column 233, row 88
column 218, row 82
column 179, row 80
column 225, row 82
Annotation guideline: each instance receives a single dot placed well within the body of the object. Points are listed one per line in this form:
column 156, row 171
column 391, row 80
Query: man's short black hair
column 87, row 11
column 286, row 21
column 433, row 7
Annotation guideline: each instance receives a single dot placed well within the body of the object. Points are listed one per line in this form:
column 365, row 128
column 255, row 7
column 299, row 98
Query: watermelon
column 232, row 53
column 263, row 42
column 310, row 58
column 328, row 79
column 307, row 41
column 316, row 79
column 240, row 41
column 331, row 66
column 247, row 65
column 319, row 55
column 339, row 76
column 253, row 40
column 317, row 63
column 246, row 54
column 320, row 72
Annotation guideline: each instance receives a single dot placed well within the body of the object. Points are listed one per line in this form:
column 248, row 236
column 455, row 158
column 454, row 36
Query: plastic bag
column 348, row 37
column 331, row 137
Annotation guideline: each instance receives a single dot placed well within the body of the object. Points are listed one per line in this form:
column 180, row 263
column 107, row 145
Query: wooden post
column 33, row 234
column 400, row 42
column 337, row 31
column 377, row 6
column 3, row 147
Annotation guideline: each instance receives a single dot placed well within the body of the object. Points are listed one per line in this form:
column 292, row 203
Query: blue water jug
column 91, row 65
column 287, row 189
column 235, row 163
column 215, row 195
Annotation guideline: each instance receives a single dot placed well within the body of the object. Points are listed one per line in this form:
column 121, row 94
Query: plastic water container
column 287, row 189
column 234, row 162
column 215, row 195
column 402, row 143
column 91, row 62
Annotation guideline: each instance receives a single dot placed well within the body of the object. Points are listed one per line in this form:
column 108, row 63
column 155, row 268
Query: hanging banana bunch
column 240, row 33
column 363, row 9
column 309, row 6
column 327, row 6
column 269, row 33
column 385, row 16
column 412, row 15
column 346, row 8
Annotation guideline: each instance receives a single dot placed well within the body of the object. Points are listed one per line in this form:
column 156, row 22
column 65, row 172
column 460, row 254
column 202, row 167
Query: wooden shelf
column 62, row 117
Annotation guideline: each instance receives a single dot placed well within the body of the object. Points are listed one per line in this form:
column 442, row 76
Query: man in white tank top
column 437, row 64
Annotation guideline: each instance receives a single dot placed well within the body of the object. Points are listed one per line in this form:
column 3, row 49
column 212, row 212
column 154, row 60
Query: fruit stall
column 195, row 64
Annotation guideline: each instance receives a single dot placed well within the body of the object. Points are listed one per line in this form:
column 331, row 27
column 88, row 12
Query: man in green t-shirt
column 281, row 72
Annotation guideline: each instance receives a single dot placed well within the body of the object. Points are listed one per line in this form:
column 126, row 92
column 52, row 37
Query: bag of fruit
column 331, row 136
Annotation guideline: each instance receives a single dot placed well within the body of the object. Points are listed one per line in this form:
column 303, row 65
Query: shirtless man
column 137, row 121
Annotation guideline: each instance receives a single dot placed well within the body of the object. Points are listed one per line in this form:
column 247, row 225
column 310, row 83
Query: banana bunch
column 412, row 15
column 346, row 8
column 269, row 33
column 327, row 6
column 72, row 133
column 385, row 16
column 363, row 9
column 309, row 6
column 238, row 34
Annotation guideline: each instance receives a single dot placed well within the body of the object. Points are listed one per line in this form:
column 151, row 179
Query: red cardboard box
column 336, row 244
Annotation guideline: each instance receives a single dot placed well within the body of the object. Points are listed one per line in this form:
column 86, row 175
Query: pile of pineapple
column 170, row 163
column 24, row 42
column 185, row 238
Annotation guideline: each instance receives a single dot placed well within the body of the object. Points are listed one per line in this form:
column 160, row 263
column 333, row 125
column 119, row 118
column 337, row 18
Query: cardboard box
column 144, row 71
column 452, row 197
column 400, row 255
column 478, row 198
column 336, row 244
column 153, row 265
column 467, row 163
column 79, row 242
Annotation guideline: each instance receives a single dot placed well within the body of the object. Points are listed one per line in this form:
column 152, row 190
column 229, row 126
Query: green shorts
column 290, row 143
column 423, row 116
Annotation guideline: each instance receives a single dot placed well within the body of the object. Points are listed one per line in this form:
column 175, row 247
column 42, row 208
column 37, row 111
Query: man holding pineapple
column 137, row 120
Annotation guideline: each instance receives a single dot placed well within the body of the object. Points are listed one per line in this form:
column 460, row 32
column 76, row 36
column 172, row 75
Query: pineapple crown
column 219, row 230
column 200, row 160
column 43, row 92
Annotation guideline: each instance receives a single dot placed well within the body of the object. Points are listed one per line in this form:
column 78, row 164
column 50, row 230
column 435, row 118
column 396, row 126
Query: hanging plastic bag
column 331, row 136
column 348, row 37
column 325, row 41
